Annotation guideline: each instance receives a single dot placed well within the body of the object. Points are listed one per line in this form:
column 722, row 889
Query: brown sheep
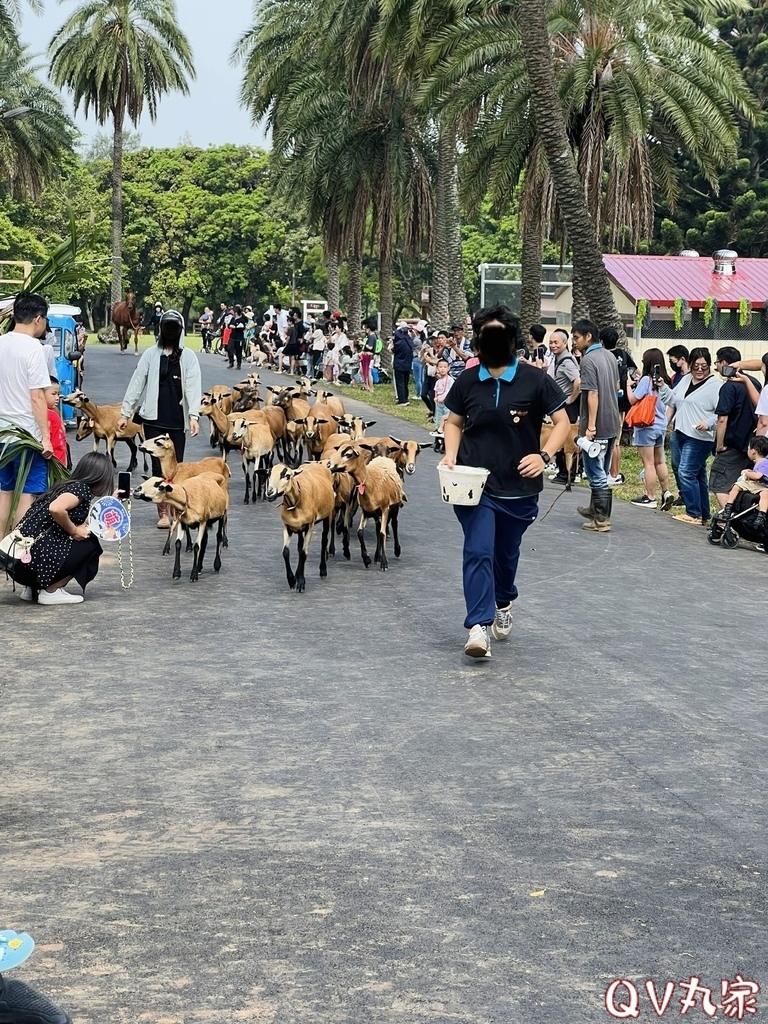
column 570, row 449
column 101, row 421
column 308, row 498
column 201, row 502
column 257, row 444
column 405, row 459
column 379, row 493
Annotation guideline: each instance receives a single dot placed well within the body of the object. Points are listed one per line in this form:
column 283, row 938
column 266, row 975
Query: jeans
column 401, row 384
column 597, row 469
column 493, row 531
column 417, row 369
column 674, row 454
column 692, row 475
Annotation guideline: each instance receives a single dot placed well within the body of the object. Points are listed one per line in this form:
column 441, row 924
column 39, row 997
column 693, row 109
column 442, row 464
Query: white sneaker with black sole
column 667, row 501
column 644, row 502
column 615, row 481
column 502, row 624
column 479, row 643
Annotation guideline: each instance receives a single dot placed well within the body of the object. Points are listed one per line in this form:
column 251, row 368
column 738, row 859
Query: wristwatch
column 546, row 457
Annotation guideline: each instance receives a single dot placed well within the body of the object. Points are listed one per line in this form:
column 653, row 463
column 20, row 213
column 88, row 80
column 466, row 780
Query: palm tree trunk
column 457, row 296
column 117, row 212
column 355, row 294
column 579, row 301
column 333, row 297
column 550, row 123
column 386, row 301
column 530, row 291
column 439, row 311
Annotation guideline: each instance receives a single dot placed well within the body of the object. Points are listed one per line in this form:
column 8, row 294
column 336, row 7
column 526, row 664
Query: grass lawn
column 383, row 397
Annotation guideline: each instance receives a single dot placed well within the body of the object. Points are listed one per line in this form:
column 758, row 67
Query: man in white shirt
column 23, row 380
column 281, row 319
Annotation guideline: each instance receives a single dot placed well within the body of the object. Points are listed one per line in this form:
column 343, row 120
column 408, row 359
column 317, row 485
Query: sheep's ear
column 369, row 423
column 339, row 419
column 274, row 390
column 321, row 421
column 424, row 445
column 302, row 421
column 363, row 444
column 165, row 488
column 296, row 472
column 395, row 440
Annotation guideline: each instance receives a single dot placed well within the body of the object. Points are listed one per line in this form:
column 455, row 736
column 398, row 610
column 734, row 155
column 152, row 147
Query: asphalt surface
column 224, row 801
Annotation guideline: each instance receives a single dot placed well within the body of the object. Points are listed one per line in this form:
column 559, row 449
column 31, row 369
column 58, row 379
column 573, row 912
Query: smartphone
column 656, row 370
column 729, row 371
column 124, row 486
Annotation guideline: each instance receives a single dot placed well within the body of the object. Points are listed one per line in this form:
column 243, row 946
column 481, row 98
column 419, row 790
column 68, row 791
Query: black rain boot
column 759, row 522
column 588, row 511
column 727, row 510
column 603, row 501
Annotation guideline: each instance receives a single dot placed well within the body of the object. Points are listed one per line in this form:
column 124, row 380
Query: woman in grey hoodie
column 694, row 401
column 166, row 388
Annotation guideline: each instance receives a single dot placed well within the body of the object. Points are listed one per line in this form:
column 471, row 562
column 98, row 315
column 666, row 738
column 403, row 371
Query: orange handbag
column 643, row 412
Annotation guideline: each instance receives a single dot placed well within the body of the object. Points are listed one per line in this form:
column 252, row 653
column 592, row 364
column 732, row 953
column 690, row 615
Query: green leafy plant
column 678, row 308
column 708, row 310
column 642, row 314
column 745, row 312
column 18, row 443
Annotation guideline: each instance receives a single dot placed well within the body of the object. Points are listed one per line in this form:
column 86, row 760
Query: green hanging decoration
column 679, row 308
column 745, row 312
column 708, row 310
column 642, row 314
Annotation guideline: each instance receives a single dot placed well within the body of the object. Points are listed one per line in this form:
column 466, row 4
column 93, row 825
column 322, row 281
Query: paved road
column 228, row 802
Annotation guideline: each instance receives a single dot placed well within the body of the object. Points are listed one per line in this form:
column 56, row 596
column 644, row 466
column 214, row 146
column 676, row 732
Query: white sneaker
column 60, row 596
column 26, row 594
column 502, row 625
column 479, row 643
column 615, row 481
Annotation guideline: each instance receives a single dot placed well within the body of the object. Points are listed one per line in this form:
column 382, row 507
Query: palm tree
column 10, row 15
column 116, row 56
column 639, row 82
column 34, row 148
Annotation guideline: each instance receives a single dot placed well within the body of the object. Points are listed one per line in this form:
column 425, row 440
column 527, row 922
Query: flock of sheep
column 316, row 457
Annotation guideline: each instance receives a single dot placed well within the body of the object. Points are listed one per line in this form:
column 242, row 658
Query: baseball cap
column 172, row 316
column 420, row 325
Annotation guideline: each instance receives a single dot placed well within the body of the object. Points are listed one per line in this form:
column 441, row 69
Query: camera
column 729, row 371
column 123, row 486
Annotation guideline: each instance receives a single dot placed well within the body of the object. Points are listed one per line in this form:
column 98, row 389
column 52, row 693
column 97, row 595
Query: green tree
column 32, row 148
column 118, row 56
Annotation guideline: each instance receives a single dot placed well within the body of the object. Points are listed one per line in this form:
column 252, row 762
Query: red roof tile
column 662, row 279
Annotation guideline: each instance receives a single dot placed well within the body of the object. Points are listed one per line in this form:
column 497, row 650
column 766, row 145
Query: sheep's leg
column 195, row 574
column 224, row 537
column 177, row 560
column 324, row 547
column 246, row 465
column 134, row 455
column 219, row 537
column 345, row 521
column 361, row 538
column 383, row 538
column 203, row 546
column 568, row 467
column 305, row 536
column 145, row 461
column 336, row 514
column 377, row 525
column 287, row 558
column 394, row 512
column 186, row 530
column 214, row 440
column 95, row 443
column 111, row 441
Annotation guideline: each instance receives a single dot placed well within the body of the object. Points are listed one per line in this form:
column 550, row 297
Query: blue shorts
column 648, row 437
column 37, row 481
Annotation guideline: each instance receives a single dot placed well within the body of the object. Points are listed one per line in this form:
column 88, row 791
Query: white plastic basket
column 463, row 485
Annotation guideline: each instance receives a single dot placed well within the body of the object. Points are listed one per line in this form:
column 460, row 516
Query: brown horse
column 126, row 318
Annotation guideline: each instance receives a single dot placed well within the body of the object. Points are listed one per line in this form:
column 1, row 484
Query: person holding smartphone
column 649, row 441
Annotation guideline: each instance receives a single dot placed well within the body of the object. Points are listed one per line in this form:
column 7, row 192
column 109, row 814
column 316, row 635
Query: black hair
column 503, row 314
column 538, row 332
column 585, row 327
column 655, row 357
column 238, row 309
column 729, row 354
column 27, row 306
column 443, row 361
column 609, row 337
column 54, row 380
column 326, row 313
column 700, row 353
column 94, row 470
column 276, row 305
column 679, row 352
column 759, row 443
column 370, row 323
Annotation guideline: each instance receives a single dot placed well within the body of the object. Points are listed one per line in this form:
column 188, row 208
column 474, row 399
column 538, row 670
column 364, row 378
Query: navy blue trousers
column 493, row 531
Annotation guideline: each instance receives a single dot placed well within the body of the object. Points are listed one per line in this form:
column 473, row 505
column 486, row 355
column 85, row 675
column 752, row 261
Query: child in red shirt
column 55, row 424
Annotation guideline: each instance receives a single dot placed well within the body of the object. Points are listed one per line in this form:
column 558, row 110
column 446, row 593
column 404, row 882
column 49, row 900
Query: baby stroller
column 741, row 525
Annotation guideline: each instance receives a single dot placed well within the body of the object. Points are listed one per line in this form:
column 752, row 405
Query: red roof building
column 662, row 279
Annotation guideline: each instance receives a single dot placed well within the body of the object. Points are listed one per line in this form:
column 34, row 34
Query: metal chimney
column 690, row 254
column 725, row 262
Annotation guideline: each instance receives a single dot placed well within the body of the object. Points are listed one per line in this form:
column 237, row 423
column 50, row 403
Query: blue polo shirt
column 502, row 422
